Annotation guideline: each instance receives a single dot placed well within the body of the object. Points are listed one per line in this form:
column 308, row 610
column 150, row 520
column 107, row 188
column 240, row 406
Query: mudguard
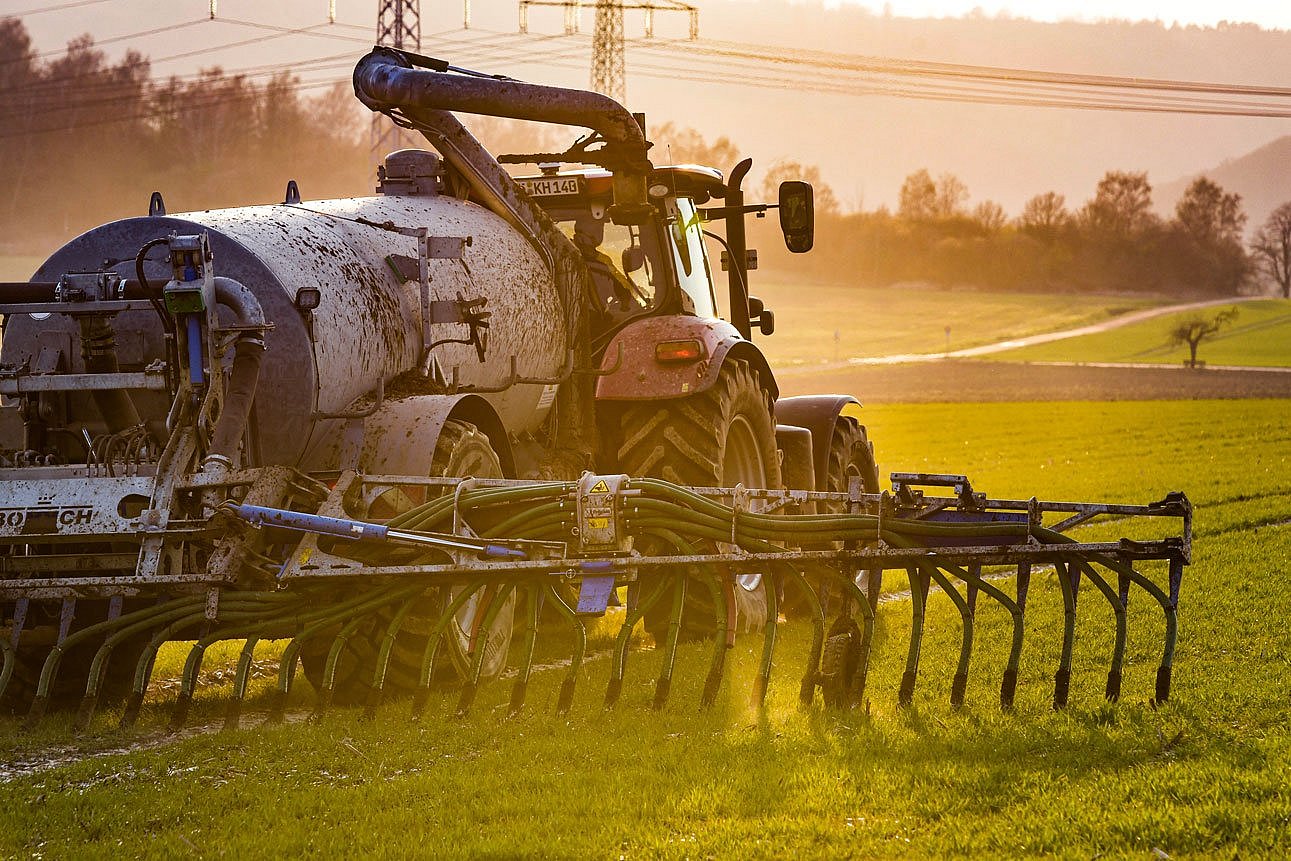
column 639, row 376
column 817, row 413
column 400, row 437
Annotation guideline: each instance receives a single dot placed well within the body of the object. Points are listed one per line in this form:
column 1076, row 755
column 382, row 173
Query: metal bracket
column 599, row 515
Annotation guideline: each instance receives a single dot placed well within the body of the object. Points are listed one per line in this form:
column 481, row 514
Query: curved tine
column 193, row 669
column 566, row 699
column 1113, row 690
column 717, row 665
column 339, row 642
column 664, row 683
column 147, row 658
column 763, row 679
column 856, row 685
column 1062, row 679
column 471, row 685
column 807, row 688
column 98, row 665
column 233, row 715
column 619, row 661
column 422, row 694
column 1167, row 607
column 960, row 682
column 533, row 604
column 383, row 656
column 918, row 601
column 1009, row 685
column 355, row 608
column 49, row 670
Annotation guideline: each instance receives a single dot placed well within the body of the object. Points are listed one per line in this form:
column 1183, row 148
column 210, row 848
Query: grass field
column 878, row 322
column 1205, row 774
column 1259, row 336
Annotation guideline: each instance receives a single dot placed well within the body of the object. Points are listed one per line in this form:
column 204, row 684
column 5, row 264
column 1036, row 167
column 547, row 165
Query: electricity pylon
column 398, row 26
column 609, row 69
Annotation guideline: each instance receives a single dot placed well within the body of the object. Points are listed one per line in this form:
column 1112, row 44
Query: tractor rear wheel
column 462, row 450
column 718, row 438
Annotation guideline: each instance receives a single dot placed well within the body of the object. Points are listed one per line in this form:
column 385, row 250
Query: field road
column 1014, row 343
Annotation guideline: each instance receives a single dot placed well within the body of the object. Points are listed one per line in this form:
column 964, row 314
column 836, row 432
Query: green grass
column 1204, row 775
column 1260, row 336
column 879, row 322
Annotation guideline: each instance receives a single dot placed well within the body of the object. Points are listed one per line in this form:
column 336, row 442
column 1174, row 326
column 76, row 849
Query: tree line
column 84, row 140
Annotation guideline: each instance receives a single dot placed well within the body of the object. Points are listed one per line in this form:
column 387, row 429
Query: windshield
column 690, row 259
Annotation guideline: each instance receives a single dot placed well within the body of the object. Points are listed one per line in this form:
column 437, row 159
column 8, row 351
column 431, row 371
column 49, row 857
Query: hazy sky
column 1263, row 12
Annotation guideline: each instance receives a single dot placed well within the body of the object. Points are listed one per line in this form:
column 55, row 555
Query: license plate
column 553, row 186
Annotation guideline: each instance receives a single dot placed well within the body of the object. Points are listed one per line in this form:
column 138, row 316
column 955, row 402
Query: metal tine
column 533, row 608
column 1009, row 684
column 233, row 713
column 1069, row 580
column 622, row 645
column 664, row 682
column 151, row 618
column 919, row 584
column 723, row 603
column 960, row 681
column 807, row 687
column 973, row 577
column 566, row 699
column 334, row 651
column 148, row 658
column 377, row 691
column 192, row 670
column 422, row 694
column 471, row 686
column 763, row 679
column 1112, row 691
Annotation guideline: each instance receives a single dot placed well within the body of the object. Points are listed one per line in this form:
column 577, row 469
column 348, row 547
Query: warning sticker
column 600, row 487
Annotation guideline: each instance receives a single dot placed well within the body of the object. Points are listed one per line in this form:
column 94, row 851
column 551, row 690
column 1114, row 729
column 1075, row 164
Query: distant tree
column 674, row 144
column 1196, row 329
column 1122, row 206
column 951, row 196
column 1045, row 215
column 918, row 199
column 990, row 215
column 1272, row 248
column 782, row 169
column 1209, row 215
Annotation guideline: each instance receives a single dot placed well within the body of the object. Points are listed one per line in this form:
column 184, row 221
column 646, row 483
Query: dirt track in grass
column 975, row 380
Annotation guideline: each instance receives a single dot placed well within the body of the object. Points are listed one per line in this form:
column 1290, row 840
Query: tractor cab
column 659, row 266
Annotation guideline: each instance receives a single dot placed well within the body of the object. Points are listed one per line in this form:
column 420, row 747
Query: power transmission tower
column 608, row 74
column 398, row 26
column 609, row 67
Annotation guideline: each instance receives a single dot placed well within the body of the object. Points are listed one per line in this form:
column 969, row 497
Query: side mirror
column 797, row 215
column 633, row 258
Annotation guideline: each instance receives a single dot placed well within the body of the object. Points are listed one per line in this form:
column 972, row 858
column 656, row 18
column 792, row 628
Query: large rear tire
column 718, row 438
column 462, row 450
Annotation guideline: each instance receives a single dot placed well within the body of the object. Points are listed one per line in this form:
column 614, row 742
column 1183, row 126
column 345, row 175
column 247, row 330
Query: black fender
column 817, row 413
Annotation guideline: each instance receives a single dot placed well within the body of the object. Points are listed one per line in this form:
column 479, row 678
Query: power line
column 27, row 13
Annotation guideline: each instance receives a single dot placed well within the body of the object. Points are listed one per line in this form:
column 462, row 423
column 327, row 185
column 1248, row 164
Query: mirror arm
column 717, row 213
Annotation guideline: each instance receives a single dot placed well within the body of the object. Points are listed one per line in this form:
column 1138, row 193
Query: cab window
column 686, row 236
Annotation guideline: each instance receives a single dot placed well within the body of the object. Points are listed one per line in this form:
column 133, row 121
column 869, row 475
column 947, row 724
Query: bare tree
column 918, row 197
column 1122, row 206
column 1194, row 330
column 951, row 196
column 1045, row 215
column 826, row 202
column 990, row 215
column 1272, row 248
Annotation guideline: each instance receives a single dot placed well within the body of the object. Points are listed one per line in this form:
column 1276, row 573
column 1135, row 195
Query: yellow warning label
column 598, row 523
column 600, row 487
column 305, row 554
